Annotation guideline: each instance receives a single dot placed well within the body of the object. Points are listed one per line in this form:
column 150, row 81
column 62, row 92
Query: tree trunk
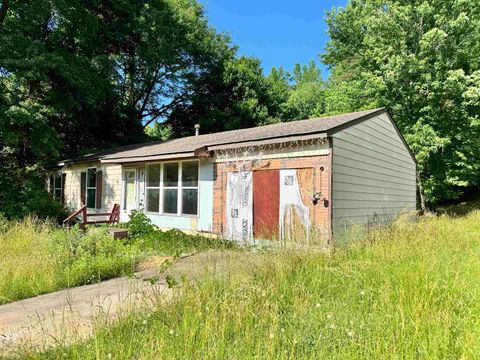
column 3, row 11
column 423, row 203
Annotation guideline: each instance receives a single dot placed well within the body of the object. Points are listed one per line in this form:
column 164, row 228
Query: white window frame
column 179, row 188
column 55, row 188
column 90, row 188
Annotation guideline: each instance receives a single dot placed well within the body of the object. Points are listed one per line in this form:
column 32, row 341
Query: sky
column 278, row 32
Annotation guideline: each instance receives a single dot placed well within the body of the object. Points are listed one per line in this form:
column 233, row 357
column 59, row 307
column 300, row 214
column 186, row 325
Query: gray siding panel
column 373, row 175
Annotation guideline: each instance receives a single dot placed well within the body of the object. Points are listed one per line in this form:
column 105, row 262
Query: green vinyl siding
column 373, row 175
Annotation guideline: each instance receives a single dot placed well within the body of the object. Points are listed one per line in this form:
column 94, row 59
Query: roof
column 191, row 145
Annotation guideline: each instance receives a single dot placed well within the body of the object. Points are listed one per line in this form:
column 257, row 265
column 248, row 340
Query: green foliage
column 139, row 224
column 235, row 94
column 83, row 76
column 4, row 223
column 421, row 59
column 176, row 243
column 22, row 192
column 301, row 93
column 37, row 257
column 159, row 131
column 410, row 292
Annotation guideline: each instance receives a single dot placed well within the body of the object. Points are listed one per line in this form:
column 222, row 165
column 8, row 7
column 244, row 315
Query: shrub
column 93, row 255
column 140, row 225
column 3, row 223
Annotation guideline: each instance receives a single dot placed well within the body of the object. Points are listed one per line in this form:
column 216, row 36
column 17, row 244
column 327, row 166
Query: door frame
column 124, row 212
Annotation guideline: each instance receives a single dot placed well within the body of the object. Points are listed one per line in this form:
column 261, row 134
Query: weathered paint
column 374, row 174
column 266, row 210
column 316, row 179
column 315, row 147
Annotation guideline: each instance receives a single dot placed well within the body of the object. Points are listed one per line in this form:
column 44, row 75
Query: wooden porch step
column 118, row 233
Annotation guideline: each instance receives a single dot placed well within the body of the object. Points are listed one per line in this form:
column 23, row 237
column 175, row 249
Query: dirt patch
column 154, row 262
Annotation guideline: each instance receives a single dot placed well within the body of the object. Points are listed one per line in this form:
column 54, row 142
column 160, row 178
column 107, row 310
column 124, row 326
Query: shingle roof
column 189, row 144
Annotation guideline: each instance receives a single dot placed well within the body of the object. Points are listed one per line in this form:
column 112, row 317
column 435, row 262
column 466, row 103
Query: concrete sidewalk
column 51, row 318
column 69, row 315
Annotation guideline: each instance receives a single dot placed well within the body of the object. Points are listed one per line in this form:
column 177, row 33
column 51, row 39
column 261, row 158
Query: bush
column 140, row 225
column 22, row 193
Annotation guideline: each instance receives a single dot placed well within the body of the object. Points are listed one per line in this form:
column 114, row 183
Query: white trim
column 125, row 212
column 91, row 187
column 155, row 158
column 275, row 155
column 55, row 188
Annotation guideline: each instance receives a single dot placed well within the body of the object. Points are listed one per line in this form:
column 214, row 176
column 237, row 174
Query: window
column 153, row 188
column 56, row 186
column 91, row 188
column 172, row 188
column 190, row 188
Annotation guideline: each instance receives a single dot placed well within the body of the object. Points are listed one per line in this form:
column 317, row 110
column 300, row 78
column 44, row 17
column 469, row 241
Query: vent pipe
column 197, row 129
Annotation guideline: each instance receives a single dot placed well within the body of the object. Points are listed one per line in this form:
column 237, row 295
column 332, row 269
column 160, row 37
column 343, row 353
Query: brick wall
column 321, row 211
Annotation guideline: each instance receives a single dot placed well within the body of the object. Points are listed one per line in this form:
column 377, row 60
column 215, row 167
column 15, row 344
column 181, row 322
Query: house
column 318, row 175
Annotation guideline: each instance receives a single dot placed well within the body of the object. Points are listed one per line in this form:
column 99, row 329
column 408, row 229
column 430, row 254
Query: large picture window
column 172, row 188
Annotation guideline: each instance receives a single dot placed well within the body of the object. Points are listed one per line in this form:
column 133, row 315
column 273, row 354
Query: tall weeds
column 407, row 292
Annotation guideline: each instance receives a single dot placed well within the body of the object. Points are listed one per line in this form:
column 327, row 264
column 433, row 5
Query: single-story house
column 318, row 175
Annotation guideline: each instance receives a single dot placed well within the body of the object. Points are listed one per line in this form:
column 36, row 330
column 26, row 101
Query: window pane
column 91, row 195
column 153, row 179
column 58, row 180
column 129, row 191
column 190, row 201
column 92, row 178
column 58, row 194
column 190, row 174
column 153, row 198
column 170, row 197
column 170, row 174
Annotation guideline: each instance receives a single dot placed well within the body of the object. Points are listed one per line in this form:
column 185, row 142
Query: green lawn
column 410, row 292
column 37, row 257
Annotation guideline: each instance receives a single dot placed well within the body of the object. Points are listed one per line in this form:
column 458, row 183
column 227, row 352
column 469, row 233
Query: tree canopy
column 421, row 59
column 76, row 76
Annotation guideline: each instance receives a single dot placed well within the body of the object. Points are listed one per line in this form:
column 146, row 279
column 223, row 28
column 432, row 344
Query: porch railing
column 113, row 217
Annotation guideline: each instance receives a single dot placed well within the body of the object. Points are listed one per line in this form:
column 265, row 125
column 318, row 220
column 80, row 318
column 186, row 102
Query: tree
column 235, row 94
column 421, row 59
column 301, row 94
column 77, row 76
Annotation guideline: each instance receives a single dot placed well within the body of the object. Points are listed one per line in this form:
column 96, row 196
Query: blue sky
column 280, row 33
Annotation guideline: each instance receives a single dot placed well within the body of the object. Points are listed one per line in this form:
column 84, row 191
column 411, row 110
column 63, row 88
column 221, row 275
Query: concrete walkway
column 70, row 315
column 51, row 318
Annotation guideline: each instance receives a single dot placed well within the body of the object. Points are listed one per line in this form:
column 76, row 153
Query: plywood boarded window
column 296, row 230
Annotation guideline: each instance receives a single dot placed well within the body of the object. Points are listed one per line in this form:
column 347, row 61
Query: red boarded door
column 266, row 204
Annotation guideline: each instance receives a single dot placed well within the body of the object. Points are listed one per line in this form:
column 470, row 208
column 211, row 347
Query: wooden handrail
column 100, row 214
column 75, row 214
column 114, row 217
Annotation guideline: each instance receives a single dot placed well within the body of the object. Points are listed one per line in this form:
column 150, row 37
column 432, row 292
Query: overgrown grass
column 409, row 292
column 37, row 257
